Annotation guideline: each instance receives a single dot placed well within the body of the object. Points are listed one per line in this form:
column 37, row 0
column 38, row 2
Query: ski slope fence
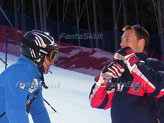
column 77, row 58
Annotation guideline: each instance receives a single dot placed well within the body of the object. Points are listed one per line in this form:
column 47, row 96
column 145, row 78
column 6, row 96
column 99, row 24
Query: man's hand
column 127, row 56
column 111, row 70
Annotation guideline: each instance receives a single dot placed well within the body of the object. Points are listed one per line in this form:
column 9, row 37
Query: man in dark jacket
column 128, row 85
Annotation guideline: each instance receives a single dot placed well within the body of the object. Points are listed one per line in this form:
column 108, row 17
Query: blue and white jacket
column 16, row 83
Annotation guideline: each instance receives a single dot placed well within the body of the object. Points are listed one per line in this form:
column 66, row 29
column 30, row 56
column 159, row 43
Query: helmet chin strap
column 42, row 76
column 49, row 70
column 41, row 69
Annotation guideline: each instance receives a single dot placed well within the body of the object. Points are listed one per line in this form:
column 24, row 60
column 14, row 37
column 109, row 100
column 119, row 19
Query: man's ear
column 142, row 43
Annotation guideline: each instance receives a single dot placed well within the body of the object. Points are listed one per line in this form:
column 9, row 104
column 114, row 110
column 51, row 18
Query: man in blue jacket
column 132, row 85
column 21, row 83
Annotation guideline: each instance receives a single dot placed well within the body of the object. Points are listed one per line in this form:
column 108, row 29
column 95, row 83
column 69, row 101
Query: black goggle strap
column 33, row 46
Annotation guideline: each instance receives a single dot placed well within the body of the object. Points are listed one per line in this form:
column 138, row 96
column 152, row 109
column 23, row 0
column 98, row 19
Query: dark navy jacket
column 130, row 102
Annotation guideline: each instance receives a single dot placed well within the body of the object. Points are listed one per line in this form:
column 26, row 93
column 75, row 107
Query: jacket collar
column 143, row 55
column 33, row 67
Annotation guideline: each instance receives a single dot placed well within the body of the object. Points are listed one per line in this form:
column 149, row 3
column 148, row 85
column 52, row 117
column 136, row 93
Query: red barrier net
column 12, row 37
column 2, row 36
column 81, row 59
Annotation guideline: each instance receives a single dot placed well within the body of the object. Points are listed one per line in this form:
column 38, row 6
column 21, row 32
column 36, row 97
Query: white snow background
column 68, row 93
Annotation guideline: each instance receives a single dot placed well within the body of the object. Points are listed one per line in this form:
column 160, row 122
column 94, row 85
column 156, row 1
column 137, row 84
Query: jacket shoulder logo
column 33, row 86
column 135, row 87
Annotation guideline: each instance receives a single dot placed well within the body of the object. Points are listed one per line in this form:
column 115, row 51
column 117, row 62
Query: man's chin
column 45, row 71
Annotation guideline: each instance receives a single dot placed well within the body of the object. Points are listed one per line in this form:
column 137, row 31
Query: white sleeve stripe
column 139, row 73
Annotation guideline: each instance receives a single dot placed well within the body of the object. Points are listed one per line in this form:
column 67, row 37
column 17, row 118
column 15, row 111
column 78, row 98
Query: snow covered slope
column 68, row 94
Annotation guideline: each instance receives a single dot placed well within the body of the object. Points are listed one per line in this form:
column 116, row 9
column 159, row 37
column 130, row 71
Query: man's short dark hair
column 141, row 32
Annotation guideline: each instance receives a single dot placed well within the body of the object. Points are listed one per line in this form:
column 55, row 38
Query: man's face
column 129, row 39
column 46, row 64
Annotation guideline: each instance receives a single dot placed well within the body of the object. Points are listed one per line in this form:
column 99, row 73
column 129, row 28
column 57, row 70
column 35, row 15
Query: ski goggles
column 52, row 55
